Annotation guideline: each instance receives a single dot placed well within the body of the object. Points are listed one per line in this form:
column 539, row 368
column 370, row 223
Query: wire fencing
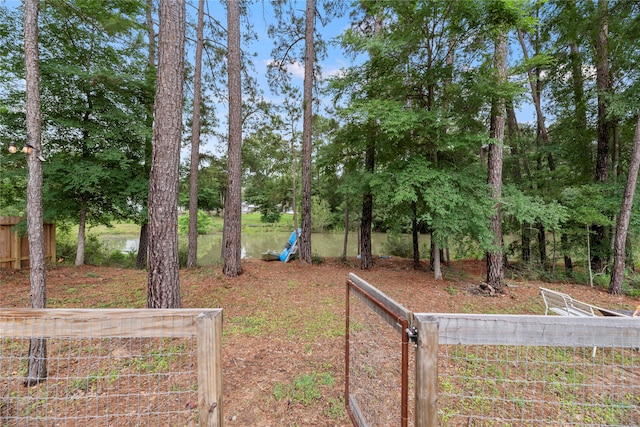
column 376, row 389
column 505, row 370
column 489, row 370
column 112, row 368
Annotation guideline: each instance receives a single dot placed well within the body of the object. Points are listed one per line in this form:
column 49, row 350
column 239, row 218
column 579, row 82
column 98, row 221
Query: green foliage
column 269, row 214
column 398, row 246
column 453, row 204
column 525, row 209
column 266, row 158
column 92, row 58
column 12, row 192
column 503, row 15
column 183, row 253
column 205, row 223
column 335, row 408
column 591, row 204
column 321, row 216
column 95, row 252
column 305, row 389
column 65, row 248
column 631, row 286
column 212, row 185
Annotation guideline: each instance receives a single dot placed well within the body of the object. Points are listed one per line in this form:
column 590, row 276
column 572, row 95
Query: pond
column 254, row 244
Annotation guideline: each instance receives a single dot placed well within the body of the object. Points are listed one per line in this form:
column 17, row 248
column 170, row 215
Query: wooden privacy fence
column 14, row 249
column 113, row 367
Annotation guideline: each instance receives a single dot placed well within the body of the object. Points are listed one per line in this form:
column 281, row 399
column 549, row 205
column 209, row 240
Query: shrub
column 205, row 223
column 397, row 246
column 321, row 216
column 65, row 248
column 183, row 253
column 269, row 214
column 95, row 253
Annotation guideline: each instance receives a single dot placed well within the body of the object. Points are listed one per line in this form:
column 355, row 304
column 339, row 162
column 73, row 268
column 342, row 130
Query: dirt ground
column 283, row 320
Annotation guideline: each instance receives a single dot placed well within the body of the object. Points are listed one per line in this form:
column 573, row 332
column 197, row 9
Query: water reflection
column 253, row 244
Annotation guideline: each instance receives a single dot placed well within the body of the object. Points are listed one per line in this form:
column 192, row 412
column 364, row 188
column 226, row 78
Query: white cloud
column 296, row 69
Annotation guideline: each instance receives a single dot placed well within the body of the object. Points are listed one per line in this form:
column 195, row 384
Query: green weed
column 248, row 325
column 304, row 389
column 451, row 290
column 335, row 408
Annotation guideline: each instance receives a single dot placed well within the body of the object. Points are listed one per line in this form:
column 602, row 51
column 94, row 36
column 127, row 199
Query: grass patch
column 335, row 408
column 305, row 389
column 115, row 228
column 248, row 325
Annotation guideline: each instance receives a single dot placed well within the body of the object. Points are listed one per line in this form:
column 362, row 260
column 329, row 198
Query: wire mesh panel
column 377, row 357
column 103, row 369
column 537, row 370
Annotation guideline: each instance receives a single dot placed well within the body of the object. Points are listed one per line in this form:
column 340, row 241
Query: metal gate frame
column 398, row 318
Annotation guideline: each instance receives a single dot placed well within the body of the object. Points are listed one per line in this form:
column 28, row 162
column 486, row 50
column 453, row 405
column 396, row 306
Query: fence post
column 17, row 245
column 426, row 392
column 209, row 342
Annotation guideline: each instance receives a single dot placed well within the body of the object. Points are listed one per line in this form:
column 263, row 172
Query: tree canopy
column 402, row 135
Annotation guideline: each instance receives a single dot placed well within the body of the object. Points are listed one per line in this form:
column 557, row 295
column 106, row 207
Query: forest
column 142, row 110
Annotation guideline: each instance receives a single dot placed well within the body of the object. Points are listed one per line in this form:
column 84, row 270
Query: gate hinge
column 412, row 333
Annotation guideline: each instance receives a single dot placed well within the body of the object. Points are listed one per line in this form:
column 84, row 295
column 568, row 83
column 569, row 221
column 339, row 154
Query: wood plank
column 426, row 391
column 394, row 310
column 10, row 220
column 209, row 343
column 16, row 250
column 99, row 323
column 535, row 330
column 355, row 413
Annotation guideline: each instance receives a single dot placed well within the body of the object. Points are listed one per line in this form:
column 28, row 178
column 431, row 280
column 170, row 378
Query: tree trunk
column 37, row 365
column 192, row 256
column 82, row 222
column 437, row 270
column 542, row 246
column 143, row 241
column 495, row 271
column 294, row 180
column 603, row 83
column 513, row 132
column 525, row 240
column 164, row 282
column 143, row 247
column 307, row 103
column 414, row 237
column 577, row 78
column 542, row 128
column 232, row 245
column 366, row 257
column 366, row 220
column 568, row 262
column 617, row 275
column 580, row 109
column 346, row 227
